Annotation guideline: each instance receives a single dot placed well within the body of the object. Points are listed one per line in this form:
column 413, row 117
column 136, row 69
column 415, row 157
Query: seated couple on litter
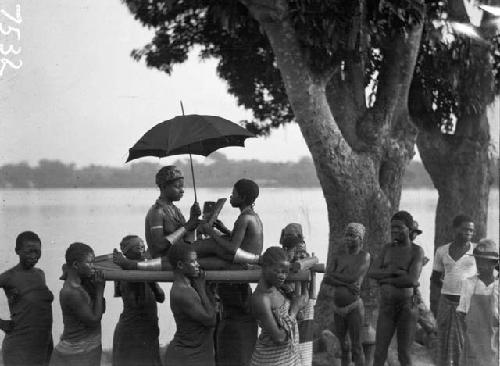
column 222, row 249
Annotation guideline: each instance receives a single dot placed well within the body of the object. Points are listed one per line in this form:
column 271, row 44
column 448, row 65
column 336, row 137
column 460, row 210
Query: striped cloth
column 450, row 333
column 306, row 331
column 268, row 353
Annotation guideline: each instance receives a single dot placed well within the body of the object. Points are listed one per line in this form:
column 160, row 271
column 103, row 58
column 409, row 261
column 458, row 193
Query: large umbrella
column 190, row 134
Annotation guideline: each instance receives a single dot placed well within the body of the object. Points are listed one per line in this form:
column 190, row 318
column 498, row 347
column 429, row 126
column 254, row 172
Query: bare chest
column 456, row 252
column 397, row 258
column 348, row 263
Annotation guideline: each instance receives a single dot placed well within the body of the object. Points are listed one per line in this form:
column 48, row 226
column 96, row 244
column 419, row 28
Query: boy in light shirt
column 478, row 308
column 453, row 263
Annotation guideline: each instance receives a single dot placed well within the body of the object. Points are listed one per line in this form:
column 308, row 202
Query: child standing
column 478, row 308
column 28, row 335
column 135, row 341
column 82, row 305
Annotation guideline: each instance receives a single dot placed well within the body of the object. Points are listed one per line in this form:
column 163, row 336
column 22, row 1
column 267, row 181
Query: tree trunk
column 459, row 163
column 459, row 167
column 358, row 185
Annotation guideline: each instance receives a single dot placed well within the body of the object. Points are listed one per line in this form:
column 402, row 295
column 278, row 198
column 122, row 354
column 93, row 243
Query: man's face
column 29, row 254
column 276, row 273
column 136, row 250
column 85, row 267
column 352, row 242
column 174, row 190
column 291, row 241
column 485, row 266
column 399, row 231
column 465, row 231
column 235, row 199
column 190, row 266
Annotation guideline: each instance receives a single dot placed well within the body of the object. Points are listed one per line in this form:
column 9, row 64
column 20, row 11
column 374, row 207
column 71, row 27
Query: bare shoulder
column 182, row 294
column 261, row 302
column 71, row 295
column 6, row 277
column 244, row 219
column 39, row 272
column 417, row 249
column 248, row 217
column 364, row 255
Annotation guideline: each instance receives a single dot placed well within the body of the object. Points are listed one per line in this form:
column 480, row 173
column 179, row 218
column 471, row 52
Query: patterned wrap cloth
column 267, row 352
column 305, row 321
column 450, row 331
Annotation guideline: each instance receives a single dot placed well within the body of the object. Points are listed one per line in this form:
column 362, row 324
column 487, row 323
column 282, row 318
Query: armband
column 242, row 256
column 150, row 265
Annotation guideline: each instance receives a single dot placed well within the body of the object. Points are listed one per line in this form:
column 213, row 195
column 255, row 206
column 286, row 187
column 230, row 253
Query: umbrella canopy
column 190, row 134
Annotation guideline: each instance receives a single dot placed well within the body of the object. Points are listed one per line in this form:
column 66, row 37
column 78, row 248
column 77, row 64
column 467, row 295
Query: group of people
column 467, row 318
column 467, row 314
column 217, row 324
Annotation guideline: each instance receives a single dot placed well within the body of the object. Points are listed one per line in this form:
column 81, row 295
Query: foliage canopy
column 455, row 74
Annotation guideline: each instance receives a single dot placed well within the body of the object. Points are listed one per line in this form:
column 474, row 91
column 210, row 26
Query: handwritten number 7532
column 10, row 49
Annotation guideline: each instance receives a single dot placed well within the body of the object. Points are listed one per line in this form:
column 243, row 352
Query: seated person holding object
column 224, row 247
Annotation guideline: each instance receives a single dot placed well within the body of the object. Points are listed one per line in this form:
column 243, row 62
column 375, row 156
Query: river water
column 101, row 217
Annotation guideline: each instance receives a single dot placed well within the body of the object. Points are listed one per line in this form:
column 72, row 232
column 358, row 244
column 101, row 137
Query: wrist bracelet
column 176, row 235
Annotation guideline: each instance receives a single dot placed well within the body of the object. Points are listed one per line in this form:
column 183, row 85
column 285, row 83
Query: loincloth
column 345, row 310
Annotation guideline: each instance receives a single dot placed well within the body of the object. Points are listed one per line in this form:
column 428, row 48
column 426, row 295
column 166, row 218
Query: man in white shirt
column 453, row 263
column 479, row 309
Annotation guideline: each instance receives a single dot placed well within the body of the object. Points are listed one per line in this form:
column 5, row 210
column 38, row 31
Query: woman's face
column 352, row 242
column 275, row 274
column 174, row 191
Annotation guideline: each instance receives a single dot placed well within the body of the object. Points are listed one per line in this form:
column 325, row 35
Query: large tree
column 455, row 81
column 310, row 61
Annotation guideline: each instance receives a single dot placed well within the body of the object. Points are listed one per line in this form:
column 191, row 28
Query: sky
column 79, row 97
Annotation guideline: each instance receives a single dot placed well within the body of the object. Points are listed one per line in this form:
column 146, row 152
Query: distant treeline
column 217, row 172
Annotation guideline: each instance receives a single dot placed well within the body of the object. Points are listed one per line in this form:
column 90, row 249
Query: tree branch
column 400, row 54
column 346, row 98
column 306, row 90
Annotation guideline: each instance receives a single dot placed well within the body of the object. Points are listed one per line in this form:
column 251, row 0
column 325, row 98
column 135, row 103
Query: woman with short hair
column 276, row 314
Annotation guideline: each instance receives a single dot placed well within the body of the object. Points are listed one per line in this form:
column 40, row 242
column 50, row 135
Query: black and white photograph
column 249, row 182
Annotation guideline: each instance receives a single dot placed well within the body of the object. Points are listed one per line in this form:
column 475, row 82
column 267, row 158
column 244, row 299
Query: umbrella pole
column 192, row 174
column 191, row 162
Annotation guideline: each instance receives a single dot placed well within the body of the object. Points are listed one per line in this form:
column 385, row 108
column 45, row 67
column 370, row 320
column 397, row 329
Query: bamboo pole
column 241, row 276
column 114, row 273
column 105, row 263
